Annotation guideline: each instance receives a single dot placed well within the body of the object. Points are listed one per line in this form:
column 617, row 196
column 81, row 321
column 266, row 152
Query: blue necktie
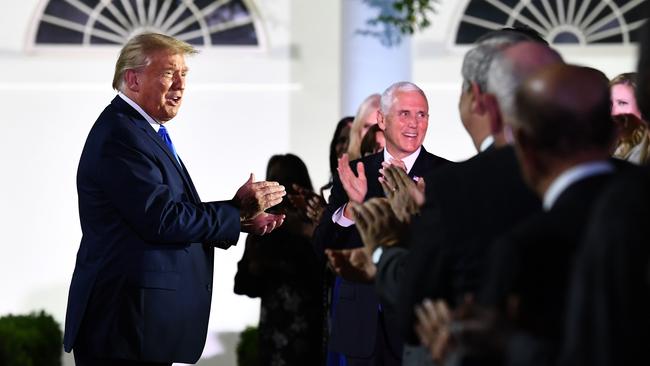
column 162, row 131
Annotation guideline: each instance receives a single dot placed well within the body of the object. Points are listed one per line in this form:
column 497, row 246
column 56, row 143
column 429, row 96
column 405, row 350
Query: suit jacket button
column 208, row 287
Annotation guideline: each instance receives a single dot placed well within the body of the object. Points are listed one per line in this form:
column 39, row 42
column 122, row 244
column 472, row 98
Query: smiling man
column 362, row 330
column 142, row 284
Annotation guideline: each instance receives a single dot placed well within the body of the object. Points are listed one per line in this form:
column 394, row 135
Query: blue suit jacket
column 141, row 288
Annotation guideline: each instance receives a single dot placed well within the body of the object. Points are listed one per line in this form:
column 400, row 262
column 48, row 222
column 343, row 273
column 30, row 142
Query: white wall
column 236, row 114
column 241, row 107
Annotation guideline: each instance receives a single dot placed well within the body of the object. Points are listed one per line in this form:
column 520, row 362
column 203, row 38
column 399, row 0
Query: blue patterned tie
column 162, row 131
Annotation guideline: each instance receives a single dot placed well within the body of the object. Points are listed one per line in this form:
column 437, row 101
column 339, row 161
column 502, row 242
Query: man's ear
column 131, row 80
column 477, row 105
column 380, row 120
column 491, row 107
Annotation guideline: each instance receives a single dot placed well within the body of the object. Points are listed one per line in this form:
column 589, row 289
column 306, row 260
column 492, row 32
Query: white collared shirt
column 487, row 142
column 409, row 161
column 144, row 114
column 573, row 175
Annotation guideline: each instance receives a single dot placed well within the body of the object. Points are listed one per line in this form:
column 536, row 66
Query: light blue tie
column 162, row 131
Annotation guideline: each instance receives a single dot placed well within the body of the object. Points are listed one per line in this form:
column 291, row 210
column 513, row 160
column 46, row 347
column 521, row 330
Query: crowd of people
column 529, row 253
column 532, row 252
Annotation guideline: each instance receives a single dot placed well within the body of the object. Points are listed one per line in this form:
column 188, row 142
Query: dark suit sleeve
column 134, row 183
column 423, row 270
column 390, row 273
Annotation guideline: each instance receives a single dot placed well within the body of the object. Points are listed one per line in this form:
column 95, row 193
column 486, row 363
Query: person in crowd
column 338, row 146
column 609, row 296
column 633, row 139
column 470, row 203
column 366, row 117
column 361, row 330
column 282, row 269
column 563, row 135
column 142, row 284
column 373, row 142
column 495, row 179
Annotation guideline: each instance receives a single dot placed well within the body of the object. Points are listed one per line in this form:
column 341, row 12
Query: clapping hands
column 355, row 185
column 253, row 198
column 307, row 202
column 404, row 195
column 377, row 223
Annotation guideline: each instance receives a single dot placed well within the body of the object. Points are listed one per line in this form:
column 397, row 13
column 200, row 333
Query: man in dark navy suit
column 361, row 329
column 141, row 288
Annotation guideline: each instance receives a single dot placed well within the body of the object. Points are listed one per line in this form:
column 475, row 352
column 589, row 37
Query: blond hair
column 369, row 105
column 136, row 52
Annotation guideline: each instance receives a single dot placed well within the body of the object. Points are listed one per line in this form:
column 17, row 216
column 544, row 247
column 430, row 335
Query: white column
column 367, row 66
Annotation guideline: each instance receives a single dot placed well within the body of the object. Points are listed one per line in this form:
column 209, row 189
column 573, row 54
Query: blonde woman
column 365, row 118
column 633, row 141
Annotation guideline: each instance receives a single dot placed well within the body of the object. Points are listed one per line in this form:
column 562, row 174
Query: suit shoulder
column 435, row 158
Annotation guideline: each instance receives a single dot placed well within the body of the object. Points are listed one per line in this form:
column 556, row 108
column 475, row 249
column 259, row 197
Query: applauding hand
column 253, row 198
column 308, row 203
column 377, row 224
column 404, row 195
column 352, row 264
column 262, row 224
column 356, row 186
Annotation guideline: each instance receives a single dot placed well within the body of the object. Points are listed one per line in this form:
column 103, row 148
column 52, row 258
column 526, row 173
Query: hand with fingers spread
column 352, row 264
column 355, row 185
column 262, row 224
column 377, row 224
column 310, row 204
column 315, row 208
column 398, row 163
column 404, row 195
column 434, row 320
column 253, row 198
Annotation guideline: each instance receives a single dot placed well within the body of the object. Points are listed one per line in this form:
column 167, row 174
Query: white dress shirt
column 144, row 114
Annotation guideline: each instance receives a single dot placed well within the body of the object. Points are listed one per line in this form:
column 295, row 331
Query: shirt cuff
column 338, row 217
column 376, row 255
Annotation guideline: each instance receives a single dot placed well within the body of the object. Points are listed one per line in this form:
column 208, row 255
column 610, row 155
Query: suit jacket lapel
column 372, row 175
column 419, row 167
column 142, row 123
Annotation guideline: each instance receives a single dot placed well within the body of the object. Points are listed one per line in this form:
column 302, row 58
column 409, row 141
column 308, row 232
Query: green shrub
column 30, row 340
column 247, row 347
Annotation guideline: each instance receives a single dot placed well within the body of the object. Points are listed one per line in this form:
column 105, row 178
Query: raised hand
column 308, row 203
column 394, row 162
column 253, row 198
column 352, row 264
column 262, row 224
column 404, row 195
column 433, row 328
column 315, row 208
column 355, row 186
column 377, row 224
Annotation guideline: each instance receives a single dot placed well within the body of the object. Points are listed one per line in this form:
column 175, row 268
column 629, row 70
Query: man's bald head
column 565, row 109
column 511, row 67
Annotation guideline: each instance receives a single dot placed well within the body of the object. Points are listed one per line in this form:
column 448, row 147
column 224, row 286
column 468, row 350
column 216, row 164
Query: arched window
column 113, row 22
column 579, row 22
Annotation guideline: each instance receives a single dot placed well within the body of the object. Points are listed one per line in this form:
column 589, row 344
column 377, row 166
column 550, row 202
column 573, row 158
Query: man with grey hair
column 475, row 71
column 142, row 285
column 361, row 330
column 469, row 204
column 563, row 137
